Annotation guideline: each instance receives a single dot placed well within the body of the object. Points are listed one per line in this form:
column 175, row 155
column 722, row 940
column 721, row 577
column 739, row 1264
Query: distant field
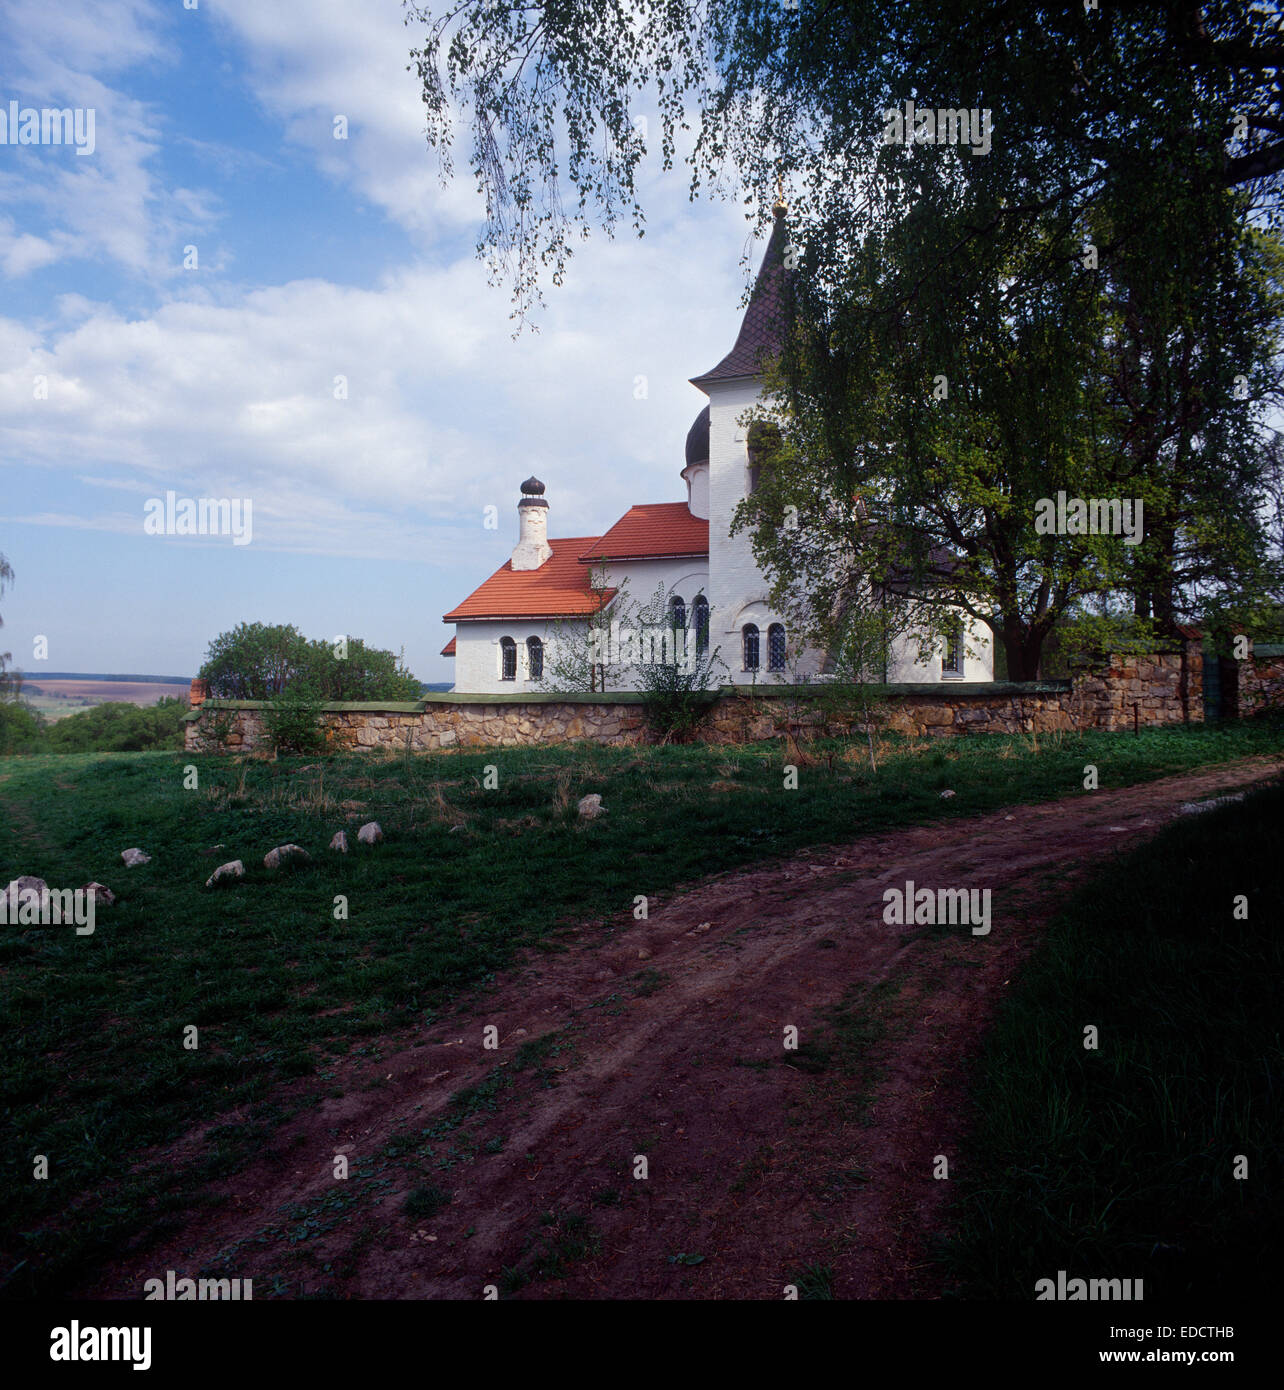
column 56, row 698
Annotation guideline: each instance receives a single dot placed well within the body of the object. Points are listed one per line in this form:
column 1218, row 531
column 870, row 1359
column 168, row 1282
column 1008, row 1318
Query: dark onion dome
column 532, row 493
column 698, row 439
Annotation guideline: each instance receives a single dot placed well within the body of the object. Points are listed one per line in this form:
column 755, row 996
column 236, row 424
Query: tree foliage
column 256, row 661
column 10, row 681
column 1098, row 288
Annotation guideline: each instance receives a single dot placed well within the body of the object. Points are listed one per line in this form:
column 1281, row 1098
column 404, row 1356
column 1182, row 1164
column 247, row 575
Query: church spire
column 761, row 330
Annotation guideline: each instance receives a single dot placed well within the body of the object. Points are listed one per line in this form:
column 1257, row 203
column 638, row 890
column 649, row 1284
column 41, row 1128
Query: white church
column 548, row 589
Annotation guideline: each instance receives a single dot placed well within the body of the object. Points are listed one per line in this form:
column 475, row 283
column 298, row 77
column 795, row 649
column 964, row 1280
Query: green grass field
column 93, row 1068
column 1119, row 1162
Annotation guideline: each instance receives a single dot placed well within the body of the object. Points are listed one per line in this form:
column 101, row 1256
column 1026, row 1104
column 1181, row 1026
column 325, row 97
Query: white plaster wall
column 737, row 591
column 978, row 659
column 684, row 577
column 697, row 480
column 477, row 655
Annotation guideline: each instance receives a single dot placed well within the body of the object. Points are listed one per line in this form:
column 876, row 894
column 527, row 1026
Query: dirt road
column 664, row 1040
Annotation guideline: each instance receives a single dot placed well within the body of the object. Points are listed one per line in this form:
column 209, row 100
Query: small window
column 700, row 617
column 677, row 612
column 776, row 647
column 534, row 659
column 749, row 639
column 507, row 659
column 952, row 662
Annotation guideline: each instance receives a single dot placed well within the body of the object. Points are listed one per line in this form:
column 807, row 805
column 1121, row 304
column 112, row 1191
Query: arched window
column 507, row 659
column 677, row 611
column 764, row 442
column 749, row 640
column 534, row 659
column 700, row 619
column 776, row 647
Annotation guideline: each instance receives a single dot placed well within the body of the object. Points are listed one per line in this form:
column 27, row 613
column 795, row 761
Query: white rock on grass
column 370, row 834
column 945, row 795
column 274, row 858
column 133, row 857
column 340, row 842
column 102, row 894
column 591, row 807
column 24, row 884
column 232, row 869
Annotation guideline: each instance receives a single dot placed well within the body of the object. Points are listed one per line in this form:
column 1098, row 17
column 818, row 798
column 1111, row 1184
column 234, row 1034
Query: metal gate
column 1212, row 688
column 1221, row 687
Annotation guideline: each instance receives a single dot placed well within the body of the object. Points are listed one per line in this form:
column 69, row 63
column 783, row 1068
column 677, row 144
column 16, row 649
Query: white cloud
column 109, row 206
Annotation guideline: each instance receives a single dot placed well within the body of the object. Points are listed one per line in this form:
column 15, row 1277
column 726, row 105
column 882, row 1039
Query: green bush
column 21, row 728
column 293, row 721
column 255, row 661
column 118, row 728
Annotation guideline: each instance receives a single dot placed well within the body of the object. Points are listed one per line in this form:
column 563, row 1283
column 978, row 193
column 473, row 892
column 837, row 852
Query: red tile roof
column 560, row 588
column 655, row 530
column 449, row 648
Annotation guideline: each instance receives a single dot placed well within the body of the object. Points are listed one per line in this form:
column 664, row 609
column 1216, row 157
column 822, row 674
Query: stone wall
column 1261, row 680
column 1119, row 692
column 428, row 726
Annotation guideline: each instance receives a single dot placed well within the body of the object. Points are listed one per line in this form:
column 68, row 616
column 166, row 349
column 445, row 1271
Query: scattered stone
column 274, row 858
column 1195, row 808
column 133, row 857
column 370, row 834
column 945, row 795
column 233, row 869
column 340, row 842
column 591, row 807
column 102, row 894
column 643, row 953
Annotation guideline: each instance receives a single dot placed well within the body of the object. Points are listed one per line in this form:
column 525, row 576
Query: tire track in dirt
column 761, row 1161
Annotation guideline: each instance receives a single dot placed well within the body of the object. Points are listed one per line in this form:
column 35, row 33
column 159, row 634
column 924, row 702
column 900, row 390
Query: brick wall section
column 1161, row 688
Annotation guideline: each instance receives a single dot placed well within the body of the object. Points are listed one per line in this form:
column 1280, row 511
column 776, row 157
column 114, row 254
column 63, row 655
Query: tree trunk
column 1023, row 648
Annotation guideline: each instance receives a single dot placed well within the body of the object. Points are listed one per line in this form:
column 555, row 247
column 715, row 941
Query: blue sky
column 317, row 258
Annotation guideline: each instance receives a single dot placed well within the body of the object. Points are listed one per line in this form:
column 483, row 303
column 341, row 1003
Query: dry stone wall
column 1120, row 692
column 1261, row 681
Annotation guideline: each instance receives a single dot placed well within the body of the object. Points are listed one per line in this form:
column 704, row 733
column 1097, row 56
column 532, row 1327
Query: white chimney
column 532, row 547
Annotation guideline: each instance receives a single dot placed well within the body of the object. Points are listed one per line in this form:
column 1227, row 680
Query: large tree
column 563, row 103
column 1090, row 270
